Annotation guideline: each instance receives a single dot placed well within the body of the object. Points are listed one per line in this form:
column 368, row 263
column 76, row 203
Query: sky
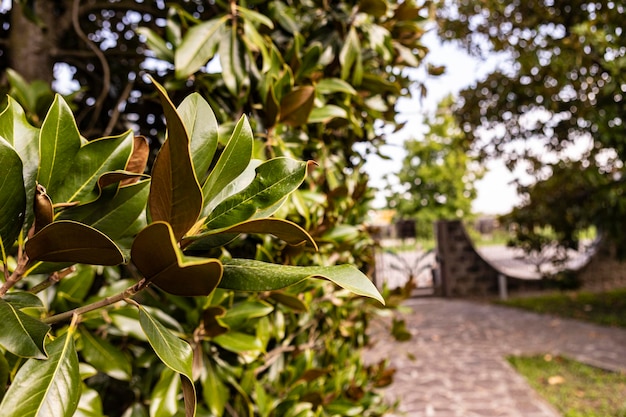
column 496, row 193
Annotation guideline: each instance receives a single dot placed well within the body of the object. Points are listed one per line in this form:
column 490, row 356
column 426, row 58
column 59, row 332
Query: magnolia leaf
column 232, row 162
column 275, row 179
column 375, row 8
column 174, row 352
column 296, row 106
column 92, row 160
column 118, row 177
column 230, row 51
column 164, row 395
column 239, row 342
column 59, row 142
column 251, row 275
column 22, row 334
column 288, row 300
column 214, row 390
column 157, row 256
column 114, row 215
column 244, row 311
column 69, row 241
column 105, row 357
column 12, row 196
column 200, row 121
column 211, row 321
column 175, row 195
column 327, row 113
column 139, row 157
column 350, row 58
column 197, row 47
column 156, row 44
column 256, row 17
column 25, row 140
column 46, row 388
column 282, row 229
column 334, row 85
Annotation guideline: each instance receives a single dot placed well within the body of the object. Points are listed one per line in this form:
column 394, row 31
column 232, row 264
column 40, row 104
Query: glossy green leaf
column 25, row 140
column 350, row 58
column 231, row 60
column 12, row 198
column 296, row 106
column 232, row 162
column 214, row 390
column 164, row 396
column 23, row 300
column 239, row 342
column 246, row 310
column 59, row 142
column 250, row 275
column 5, row 371
column 46, row 388
column 157, row 256
column 238, row 184
column 69, row 241
column 92, row 160
column 76, row 286
column 334, row 85
column 275, row 179
column 327, row 113
column 157, row 44
column 282, row 229
column 22, row 334
column 197, row 47
column 200, row 121
column 288, row 300
column 174, row 352
column 257, row 18
column 114, row 215
column 104, row 356
column 90, row 403
column 175, row 195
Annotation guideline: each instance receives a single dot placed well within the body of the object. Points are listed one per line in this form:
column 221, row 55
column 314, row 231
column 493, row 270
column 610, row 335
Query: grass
column 575, row 389
column 607, row 308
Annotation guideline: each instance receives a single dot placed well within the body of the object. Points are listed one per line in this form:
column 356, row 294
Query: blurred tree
column 556, row 104
column 437, row 174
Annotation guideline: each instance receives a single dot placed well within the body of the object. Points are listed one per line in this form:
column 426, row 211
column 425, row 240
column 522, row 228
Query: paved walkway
column 454, row 364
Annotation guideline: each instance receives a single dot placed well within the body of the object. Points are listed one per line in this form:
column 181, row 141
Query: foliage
column 573, row 388
column 560, row 85
column 605, row 308
column 92, row 204
column 437, row 174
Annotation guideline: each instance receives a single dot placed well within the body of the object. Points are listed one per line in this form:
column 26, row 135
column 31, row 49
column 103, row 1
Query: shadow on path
column 454, row 365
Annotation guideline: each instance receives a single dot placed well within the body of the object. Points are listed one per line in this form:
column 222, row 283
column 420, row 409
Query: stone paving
column 454, row 365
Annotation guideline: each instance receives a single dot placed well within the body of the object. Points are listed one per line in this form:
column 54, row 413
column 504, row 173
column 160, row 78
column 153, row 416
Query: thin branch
column 126, row 294
column 52, row 279
column 17, row 274
column 116, row 110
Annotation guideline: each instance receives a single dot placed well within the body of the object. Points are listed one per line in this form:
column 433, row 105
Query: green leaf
column 275, row 179
column 46, row 388
column 105, row 357
column 334, row 85
column 256, row 17
column 25, row 140
column 250, row 275
column 282, row 229
column 239, row 342
column 59, row 142
column 90, row 162
column 246, row 310
column 156, row 44
column 69, row 241
column 327, row 113
column 350, row 58
column 164, row 395
column 231, row 59
column 12, row 198
column 200, row 121
column 296, row 106
column 174, row 352
column 22, row 334
column 197, row 47
column 288, row 300
column 375, row 8
column 214, row 391
column 4, row 375
column 114, row 215
column 90, row 404
column 175, row 195
column 156, row 255
column 232, row 162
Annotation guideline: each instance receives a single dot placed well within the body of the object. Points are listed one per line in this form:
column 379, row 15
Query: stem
column 17, row 275
column 127, row 293
column 51, row 280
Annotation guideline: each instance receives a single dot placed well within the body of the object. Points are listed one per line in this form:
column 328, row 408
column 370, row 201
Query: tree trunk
column 31, row 46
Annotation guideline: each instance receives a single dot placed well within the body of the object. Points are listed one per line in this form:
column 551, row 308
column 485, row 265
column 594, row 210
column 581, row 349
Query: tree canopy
column 556, row 105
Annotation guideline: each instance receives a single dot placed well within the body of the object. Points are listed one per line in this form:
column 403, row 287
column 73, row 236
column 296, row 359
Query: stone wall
column 462, row 271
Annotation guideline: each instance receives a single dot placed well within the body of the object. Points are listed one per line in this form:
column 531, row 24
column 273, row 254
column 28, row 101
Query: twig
column 116, row 110
column 17, row 274
column 52, row 279
column 126, row 294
